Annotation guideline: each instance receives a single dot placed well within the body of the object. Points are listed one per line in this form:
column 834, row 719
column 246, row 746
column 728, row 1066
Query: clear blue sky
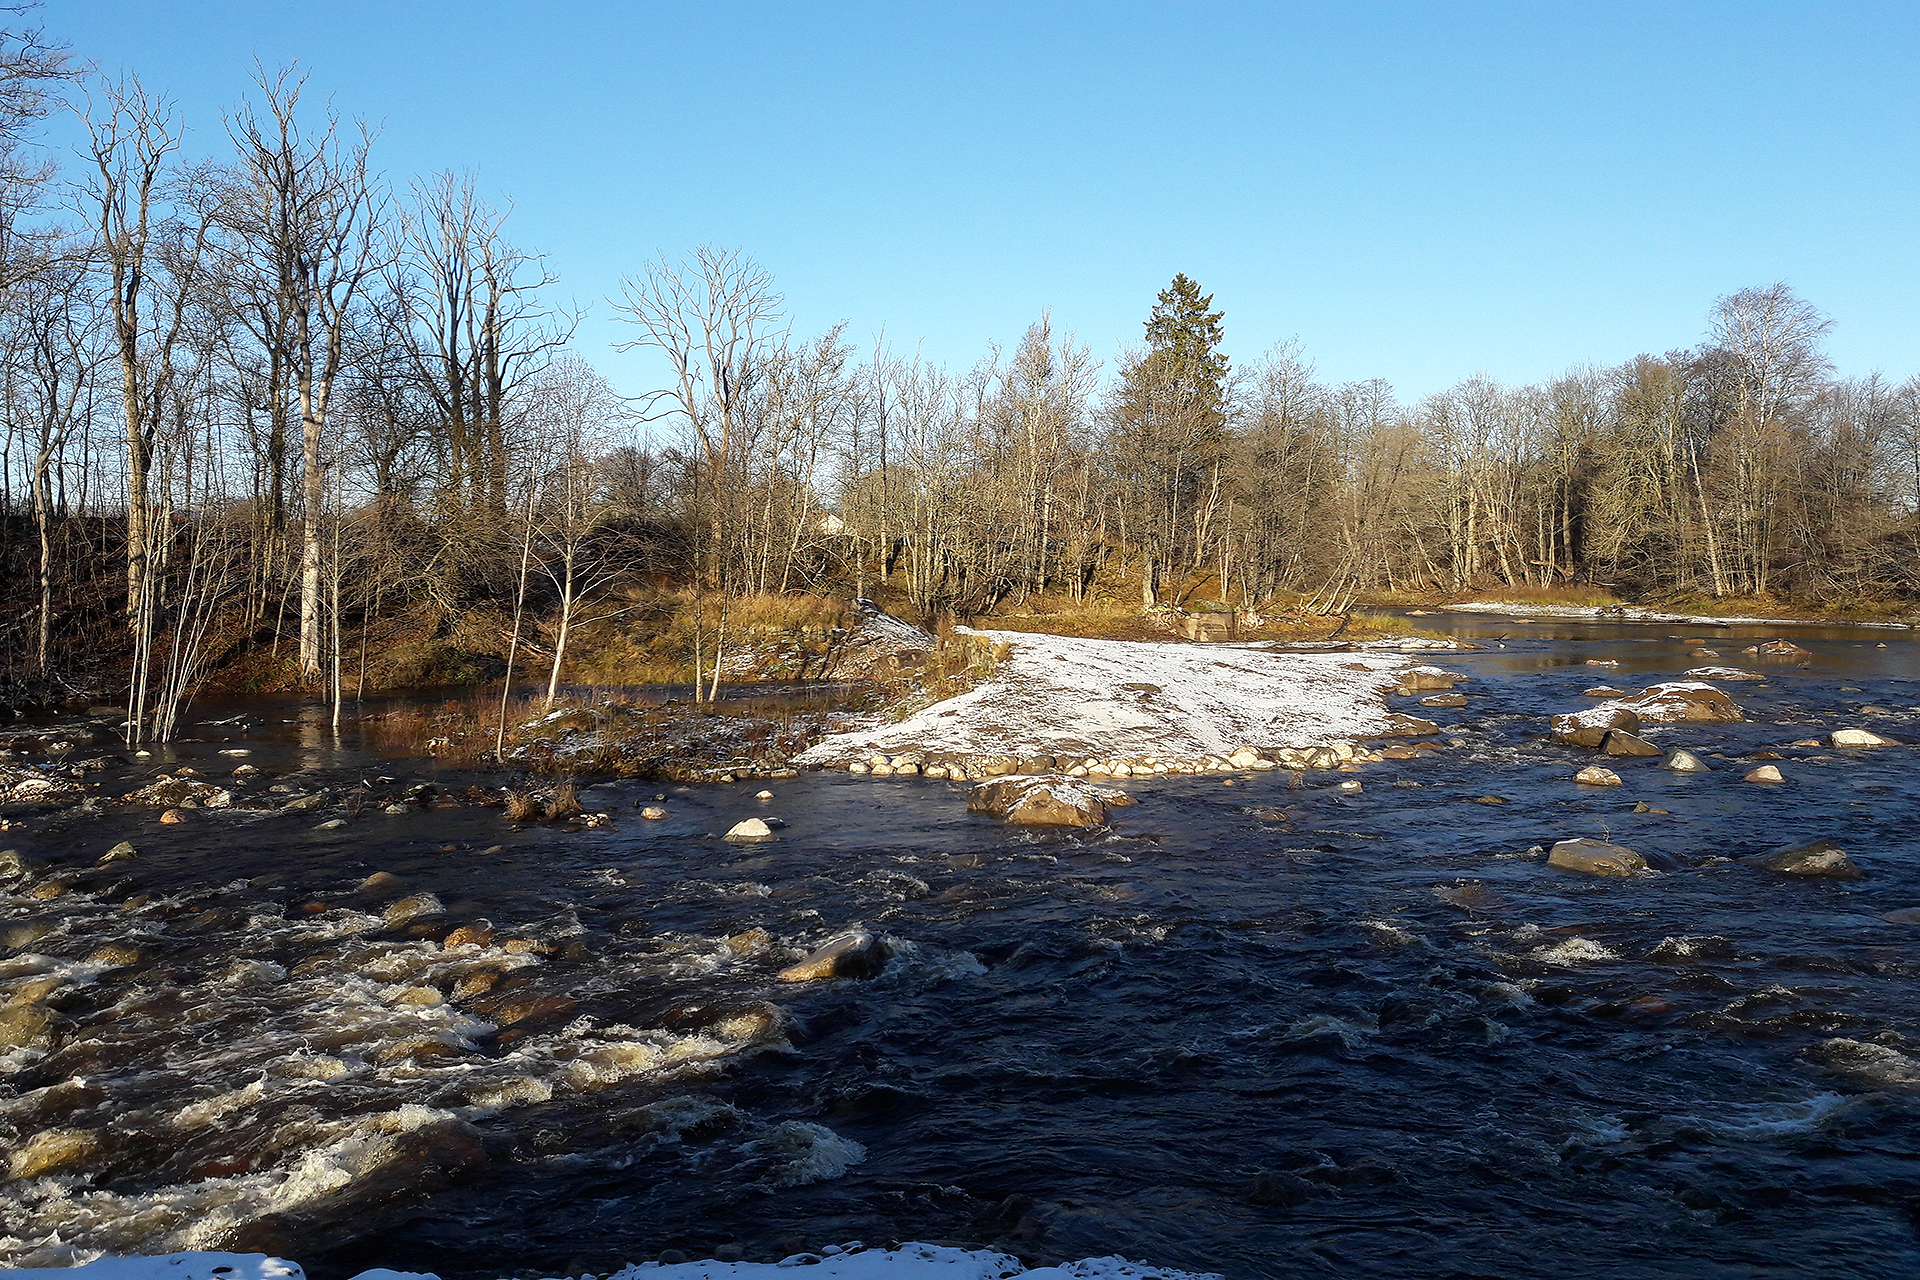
column 1418, row 191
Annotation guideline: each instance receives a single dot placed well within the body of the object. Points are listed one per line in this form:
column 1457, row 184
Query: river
column 1254, row 1029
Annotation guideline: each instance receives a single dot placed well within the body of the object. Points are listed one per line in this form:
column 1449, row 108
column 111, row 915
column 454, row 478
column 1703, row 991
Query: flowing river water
column 1255, row 1029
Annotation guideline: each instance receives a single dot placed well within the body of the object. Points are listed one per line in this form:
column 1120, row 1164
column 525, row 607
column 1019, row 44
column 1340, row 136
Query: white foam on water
column 1507, row 993
column 1350, row 1034
column 909, row 964
column 1389, row 934
column 60, row 1213
column 208, row 1110
column 1869, row 1064
column 1573, row 953
column 1755, row 1122
column 806, row 1153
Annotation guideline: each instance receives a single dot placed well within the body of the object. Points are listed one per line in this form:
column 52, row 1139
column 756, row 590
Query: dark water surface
column 1255, row 1030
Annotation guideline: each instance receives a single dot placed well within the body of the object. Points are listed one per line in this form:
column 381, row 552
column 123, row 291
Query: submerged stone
column 1595, row 858
column 1822, row 859
column 1047, row 800
column 851, row 955
column 53, row 1150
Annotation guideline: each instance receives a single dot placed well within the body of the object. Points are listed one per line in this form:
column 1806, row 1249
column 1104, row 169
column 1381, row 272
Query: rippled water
column 1256, row 1030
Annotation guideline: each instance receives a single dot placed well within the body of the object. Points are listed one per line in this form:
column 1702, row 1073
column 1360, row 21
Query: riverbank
column 1589, row 602
column 1635, row 613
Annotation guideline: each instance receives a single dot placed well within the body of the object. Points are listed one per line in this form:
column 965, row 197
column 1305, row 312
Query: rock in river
column 1621, row 743
column 1590, row 728
column 1672, row 701
column 1686, row 762
column 1595, row 858
column 851, row 955
column 1857, row 738
column 25, row 1026
column 1765, row 773
column 1046, row 800
column 1596, row 776
column 751, row 831
column 1822, row 858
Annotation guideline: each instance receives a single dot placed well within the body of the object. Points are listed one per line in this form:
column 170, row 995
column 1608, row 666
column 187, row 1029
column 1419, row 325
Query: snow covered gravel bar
column 1124, row 707
column 907, row 1262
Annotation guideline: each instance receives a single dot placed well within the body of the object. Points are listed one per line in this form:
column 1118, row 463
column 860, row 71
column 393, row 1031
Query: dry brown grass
column 1569, row 596
column 564, row 803
column 650, row 640
column 523, row 806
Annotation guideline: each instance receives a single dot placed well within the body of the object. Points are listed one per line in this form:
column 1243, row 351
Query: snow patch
column 1131, row 698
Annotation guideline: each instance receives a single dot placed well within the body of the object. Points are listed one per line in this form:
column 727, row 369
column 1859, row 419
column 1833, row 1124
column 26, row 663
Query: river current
column 1257, row 1029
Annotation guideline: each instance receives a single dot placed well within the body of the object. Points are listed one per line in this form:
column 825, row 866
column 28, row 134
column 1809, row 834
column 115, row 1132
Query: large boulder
column 1595, row 858
column 1677, row 701
column 1425, row 679
column 851, row 955
column 749, row 831
column 1822, row 859
column 1589, row 728
column 1857, row 738
column 1046, row 800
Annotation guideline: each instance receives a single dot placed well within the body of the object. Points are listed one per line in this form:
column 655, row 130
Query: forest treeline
column 265, row 397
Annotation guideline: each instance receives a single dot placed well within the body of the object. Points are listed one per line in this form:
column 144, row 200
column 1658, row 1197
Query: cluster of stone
column 1241, row 759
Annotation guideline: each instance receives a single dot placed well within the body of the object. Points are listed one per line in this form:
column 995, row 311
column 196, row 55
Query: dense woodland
column 262, row 398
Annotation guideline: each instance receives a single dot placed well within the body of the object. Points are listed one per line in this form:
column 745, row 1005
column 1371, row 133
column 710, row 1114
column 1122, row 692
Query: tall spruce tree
column 1168, row 418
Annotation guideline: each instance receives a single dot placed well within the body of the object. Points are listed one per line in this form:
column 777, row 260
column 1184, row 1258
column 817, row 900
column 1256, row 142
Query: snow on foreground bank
column 908, row 1262
column 1120, row 699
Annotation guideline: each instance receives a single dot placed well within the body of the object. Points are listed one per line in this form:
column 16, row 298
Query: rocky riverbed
column 1258, row 1022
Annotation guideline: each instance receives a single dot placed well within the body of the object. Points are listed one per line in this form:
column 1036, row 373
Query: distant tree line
column 269, row 398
